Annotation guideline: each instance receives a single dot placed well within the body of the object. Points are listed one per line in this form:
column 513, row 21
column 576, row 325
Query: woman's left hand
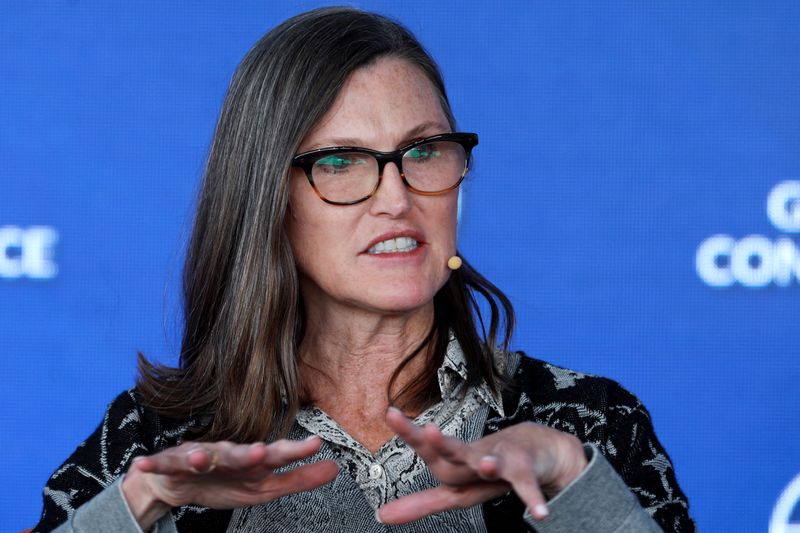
column 529, row 458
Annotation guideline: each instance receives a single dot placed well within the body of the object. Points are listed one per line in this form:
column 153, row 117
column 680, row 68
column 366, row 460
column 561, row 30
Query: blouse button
column 375, row 471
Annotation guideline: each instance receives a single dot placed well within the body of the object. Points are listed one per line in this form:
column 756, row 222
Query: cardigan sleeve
column 84, row 490
column 108, row 511
column 604, row 415
column 637, row 455
column 96, row 464
column 597, row 500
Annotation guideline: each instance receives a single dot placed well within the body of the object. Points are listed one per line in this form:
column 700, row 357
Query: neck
column 349, row 356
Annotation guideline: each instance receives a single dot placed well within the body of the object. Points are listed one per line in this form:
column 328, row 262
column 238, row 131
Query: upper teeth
column 400, row 244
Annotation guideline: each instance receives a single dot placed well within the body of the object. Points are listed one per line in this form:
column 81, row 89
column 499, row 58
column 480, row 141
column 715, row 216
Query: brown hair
column 242, row 308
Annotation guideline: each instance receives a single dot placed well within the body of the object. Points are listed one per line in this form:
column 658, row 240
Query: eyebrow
column 410, row 136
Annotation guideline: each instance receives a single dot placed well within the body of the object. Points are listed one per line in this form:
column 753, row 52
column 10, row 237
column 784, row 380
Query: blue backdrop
column 636, row 192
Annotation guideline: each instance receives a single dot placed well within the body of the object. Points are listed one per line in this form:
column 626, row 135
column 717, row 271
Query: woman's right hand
column 220, row 475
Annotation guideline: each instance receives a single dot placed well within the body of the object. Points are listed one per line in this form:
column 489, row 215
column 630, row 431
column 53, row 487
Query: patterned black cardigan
column 596, row 410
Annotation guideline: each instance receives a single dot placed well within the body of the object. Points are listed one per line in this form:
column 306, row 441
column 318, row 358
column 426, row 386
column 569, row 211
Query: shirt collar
column 453, row 374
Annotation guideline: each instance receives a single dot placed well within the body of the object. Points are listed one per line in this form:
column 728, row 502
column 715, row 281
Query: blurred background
column 636, row 192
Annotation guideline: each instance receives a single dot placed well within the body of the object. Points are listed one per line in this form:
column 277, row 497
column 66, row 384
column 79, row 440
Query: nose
column 392, row 197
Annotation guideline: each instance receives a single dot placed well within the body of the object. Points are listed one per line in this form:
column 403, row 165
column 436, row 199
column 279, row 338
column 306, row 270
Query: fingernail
column 492, row 463
column 309, row 438
column 393, row 409
column 195, row 449
column 377, row 516
column 541, row 510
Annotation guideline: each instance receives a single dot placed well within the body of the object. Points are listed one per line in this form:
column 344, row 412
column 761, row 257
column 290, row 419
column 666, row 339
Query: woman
column 325, row 310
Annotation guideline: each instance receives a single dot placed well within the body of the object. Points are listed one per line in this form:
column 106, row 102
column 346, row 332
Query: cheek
column 317, row 232
column 445, row 213
column 300, row 227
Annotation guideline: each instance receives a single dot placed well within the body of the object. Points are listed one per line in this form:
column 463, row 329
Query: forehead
column 378, row 106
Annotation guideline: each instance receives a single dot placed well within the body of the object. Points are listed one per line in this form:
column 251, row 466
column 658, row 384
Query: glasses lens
column 345, row 177
column 435, row 166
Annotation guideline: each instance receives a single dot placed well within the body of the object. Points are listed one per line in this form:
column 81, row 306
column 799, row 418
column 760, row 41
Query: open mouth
column 394, row 246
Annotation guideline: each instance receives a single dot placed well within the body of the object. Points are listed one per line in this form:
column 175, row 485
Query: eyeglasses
column 346, row 175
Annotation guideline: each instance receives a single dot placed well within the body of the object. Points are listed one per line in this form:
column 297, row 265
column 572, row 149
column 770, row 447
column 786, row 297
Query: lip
column 393, row 234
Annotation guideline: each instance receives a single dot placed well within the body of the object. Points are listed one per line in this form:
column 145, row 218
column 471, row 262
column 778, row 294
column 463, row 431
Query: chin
column 401, row 301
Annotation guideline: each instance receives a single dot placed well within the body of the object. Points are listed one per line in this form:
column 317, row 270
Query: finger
column 145, row 463
column 451, row 460
column 488, row 467
column 427, row 502
column 450, row 448
column 268, row 457
column 258, row 454
column 517, row 469
column 416, row 437
column 204, row 459
column 412, row 434
column 445, row 456
column 531, row 495
column 228, row 456
column 176, row 460
column 404, row 427
column 283, row 451
column 242, row 457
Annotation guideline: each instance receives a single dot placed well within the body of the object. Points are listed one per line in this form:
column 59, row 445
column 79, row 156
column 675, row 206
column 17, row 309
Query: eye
column 423, row 152
column 337, row 164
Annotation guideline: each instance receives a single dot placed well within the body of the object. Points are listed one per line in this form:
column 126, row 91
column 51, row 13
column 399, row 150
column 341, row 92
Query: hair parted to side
column 238, row 365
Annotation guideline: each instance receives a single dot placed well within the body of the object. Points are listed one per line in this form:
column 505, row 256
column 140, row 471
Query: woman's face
column 382, row 106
